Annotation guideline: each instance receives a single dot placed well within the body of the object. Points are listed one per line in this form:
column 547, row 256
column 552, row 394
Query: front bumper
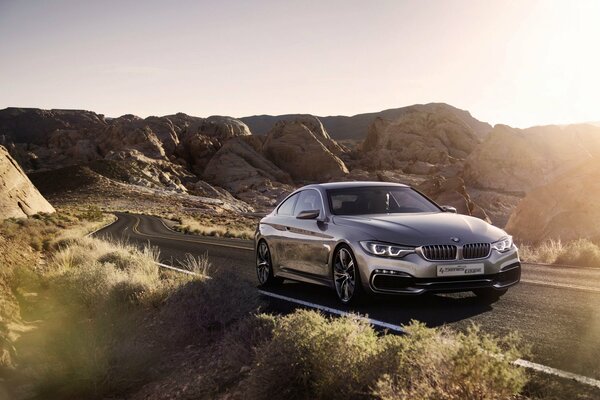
column 413, row 275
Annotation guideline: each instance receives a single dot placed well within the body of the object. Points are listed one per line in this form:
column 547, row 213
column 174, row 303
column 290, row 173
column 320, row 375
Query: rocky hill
column 565, row 209
column 357, row 126
column 437, row 148
column 18, row 197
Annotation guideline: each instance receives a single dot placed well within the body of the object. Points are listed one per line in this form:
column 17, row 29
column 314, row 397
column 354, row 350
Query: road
column 555, row 309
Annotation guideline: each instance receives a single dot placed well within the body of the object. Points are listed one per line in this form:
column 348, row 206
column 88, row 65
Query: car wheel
column 489, row 295
column 346, row 277
column 264, row 266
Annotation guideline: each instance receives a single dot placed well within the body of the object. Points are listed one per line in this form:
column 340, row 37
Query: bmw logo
column 455, row 239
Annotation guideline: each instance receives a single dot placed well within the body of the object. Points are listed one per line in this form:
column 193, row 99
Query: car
column 363, row 238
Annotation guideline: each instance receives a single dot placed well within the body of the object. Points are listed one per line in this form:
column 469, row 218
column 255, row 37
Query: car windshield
column 378, row 200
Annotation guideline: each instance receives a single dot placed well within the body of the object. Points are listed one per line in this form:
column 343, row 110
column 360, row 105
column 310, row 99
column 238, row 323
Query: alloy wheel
column 263, row 263
column 344, row 275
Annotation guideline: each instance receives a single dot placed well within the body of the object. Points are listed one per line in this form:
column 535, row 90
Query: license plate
column 460, row 270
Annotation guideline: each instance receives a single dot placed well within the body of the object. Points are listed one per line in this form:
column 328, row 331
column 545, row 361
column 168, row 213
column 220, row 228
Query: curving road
column 555, row 309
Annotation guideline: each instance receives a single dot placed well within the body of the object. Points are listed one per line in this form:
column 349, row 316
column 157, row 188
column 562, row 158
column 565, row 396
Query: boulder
column 18, row 197
column 304, row 154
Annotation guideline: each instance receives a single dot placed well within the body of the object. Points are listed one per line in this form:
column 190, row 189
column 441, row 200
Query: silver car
column 375, row 237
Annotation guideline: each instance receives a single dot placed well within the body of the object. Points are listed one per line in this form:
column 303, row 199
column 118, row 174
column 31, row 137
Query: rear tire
column 346, row 278
column 264, row 267
column 489, row 295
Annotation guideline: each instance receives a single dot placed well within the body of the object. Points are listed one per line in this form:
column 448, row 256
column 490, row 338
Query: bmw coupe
column 374, row 237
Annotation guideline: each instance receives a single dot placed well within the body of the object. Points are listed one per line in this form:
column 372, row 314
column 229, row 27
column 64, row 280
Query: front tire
column 264, row 266
column 346, row 278
column 489, row 295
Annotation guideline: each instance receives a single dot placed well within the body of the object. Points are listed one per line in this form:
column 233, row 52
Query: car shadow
column 432, row 310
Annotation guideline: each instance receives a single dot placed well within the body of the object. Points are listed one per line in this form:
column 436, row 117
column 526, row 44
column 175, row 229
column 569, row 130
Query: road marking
column 183, row 271
column 562, row 285
column 397, row 328
column 335, row 311
column 557, row 372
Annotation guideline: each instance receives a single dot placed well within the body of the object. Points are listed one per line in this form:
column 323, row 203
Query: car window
column 308, row 200
column 378, row 200
column 287, row 207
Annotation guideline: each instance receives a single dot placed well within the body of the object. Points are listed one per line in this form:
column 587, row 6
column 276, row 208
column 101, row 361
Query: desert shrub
column 92, row 213
column 580, row 252
column 437, row 364
column 311, row 356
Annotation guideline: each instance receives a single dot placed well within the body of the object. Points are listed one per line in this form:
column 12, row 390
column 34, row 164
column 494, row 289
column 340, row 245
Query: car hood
column 422, row 228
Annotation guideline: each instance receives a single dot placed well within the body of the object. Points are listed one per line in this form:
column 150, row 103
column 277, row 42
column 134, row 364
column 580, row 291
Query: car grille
column 476, row 250
column 439, row 252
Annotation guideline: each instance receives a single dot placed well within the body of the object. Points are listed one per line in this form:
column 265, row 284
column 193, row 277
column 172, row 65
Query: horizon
column 504, row 63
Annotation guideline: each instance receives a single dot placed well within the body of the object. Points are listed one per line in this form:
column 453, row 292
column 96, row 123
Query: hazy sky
column 521, row 63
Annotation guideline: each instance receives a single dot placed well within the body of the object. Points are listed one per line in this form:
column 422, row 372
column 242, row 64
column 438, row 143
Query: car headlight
column 503, row 245
column 386, row 249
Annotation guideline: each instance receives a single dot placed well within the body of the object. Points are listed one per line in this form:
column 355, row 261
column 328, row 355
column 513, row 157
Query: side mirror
column 308, row 214
column 449, row 209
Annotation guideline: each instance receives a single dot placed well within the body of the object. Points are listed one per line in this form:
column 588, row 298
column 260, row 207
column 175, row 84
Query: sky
column 520, row 63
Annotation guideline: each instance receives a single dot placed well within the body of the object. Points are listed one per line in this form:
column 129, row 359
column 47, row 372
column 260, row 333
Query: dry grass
column 581, row 252
column 207, row 228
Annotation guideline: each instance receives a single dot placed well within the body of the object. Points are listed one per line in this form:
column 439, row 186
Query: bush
column 313, row 357
column 580, row 252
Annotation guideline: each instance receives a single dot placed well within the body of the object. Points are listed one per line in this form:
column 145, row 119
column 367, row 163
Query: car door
column 280, row 222
column 307, row 239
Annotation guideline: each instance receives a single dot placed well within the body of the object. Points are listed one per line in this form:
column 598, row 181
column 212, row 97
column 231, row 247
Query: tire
column 264, row 266
column 346, row 278
column 489, row 295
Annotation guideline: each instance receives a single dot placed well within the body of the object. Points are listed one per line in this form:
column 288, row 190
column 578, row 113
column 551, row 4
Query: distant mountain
column 356, row 126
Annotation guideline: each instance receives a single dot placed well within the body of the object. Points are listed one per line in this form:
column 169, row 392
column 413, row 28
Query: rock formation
column 518, row 160
column 304, row 153
column 566, row 208
column 18, row 197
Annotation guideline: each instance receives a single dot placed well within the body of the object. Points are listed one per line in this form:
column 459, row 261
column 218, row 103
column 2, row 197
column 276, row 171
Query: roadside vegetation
column 581, row 252
column 87, row 318
column 218, row 227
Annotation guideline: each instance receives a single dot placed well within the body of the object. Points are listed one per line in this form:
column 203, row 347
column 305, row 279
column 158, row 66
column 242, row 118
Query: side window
column 308, row 200
column 287, row 207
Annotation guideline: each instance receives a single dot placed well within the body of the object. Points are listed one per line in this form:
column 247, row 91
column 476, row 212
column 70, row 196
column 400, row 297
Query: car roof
column 352, row 184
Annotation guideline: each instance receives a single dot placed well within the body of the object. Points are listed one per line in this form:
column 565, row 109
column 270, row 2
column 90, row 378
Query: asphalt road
column 555, row 309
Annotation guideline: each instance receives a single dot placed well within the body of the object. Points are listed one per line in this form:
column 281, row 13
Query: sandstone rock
column 437, row 138
column 18, row 197
column 304, row 154
column 566, row 208
column 238, row 167
column 518, row 160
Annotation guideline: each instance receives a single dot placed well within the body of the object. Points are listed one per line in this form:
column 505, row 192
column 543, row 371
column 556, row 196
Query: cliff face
column 18, row 197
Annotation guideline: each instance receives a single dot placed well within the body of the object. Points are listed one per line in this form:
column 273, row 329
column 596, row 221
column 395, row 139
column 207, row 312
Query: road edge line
column 557, row 372
column 103, row 226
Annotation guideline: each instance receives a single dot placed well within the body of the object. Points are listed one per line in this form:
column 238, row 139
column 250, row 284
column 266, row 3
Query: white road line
column 562, row 285
column 183, row 271
column 557, row 372
column 397, row 328
column 335, row 311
